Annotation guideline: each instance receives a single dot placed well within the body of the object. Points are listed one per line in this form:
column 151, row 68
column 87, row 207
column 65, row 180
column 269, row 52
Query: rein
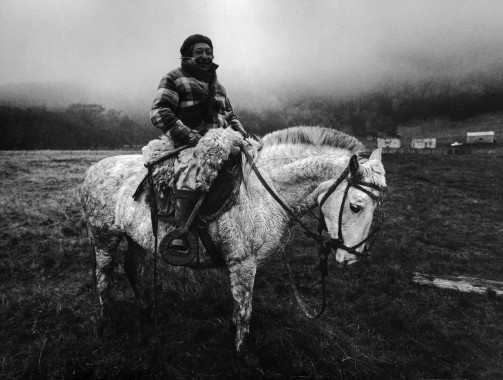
column 308, row 232
column 323, row 252
column 324, row 249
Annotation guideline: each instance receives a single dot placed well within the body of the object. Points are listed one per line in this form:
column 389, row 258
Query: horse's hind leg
column 242, row 276
column 133, row 266
column 105, row 247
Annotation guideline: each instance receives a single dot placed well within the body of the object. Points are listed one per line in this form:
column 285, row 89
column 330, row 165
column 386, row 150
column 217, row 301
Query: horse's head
column 349, row 204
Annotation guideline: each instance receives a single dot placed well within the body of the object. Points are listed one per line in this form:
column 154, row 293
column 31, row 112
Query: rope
column 155, row 226
column 165, row 156
column 324, row 271
column 277, row 198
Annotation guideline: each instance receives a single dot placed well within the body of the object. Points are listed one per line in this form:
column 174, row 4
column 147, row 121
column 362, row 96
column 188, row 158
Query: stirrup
column 179, row 244
column 175, row 254
column 170, row 252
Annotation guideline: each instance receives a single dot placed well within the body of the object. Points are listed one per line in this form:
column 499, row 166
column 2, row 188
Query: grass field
column 444, row 215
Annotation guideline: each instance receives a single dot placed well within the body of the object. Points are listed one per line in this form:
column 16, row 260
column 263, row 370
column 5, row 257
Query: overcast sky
column 262, row 46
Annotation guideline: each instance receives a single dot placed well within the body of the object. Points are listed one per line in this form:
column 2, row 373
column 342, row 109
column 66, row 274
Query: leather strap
column 277, row 198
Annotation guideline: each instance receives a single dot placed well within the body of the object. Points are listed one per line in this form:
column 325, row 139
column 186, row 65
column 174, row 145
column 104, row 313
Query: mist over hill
column 81, row 117
column 59, row 95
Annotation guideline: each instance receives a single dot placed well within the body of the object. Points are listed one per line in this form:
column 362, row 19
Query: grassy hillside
column 441, row 218
column 448, row 131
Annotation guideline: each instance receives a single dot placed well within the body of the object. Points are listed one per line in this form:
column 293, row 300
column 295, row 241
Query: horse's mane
column 296, row 141
column 313, row 136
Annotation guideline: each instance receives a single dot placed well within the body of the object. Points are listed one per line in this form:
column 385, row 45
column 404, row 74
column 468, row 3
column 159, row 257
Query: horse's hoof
column 232, row 327
column 241, row 349
column 251, row 359
column 147, row 312
column 99, row 328
column 98, row 332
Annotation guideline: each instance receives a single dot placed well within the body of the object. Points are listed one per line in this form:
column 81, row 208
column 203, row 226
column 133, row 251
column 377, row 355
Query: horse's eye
column 355, row 208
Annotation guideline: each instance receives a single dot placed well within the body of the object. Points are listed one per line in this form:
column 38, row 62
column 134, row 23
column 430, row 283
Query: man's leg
column 186, row 196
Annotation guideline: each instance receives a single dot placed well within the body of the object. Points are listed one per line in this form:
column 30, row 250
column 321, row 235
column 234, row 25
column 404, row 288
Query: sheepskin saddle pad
column 219, row 173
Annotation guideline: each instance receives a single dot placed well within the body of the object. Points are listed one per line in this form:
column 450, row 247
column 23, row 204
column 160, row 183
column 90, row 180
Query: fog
column 267, row 50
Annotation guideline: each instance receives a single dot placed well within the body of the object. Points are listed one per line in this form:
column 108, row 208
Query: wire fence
column 458, row 150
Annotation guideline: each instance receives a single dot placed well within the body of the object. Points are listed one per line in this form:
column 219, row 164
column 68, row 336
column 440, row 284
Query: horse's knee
column 104, row 253
column 103, row 260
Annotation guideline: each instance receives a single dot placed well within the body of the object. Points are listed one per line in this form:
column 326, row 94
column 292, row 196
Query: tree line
column 377, row 113
column 79, row 126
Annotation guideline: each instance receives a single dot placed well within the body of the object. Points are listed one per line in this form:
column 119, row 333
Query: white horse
column 300, row 164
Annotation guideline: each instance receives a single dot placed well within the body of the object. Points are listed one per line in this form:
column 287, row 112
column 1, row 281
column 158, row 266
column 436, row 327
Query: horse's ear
column 354, row 164
column 376, row 155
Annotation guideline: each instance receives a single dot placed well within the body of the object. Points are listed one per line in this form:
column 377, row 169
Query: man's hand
column 239, row 129
column 193, row 138
column 184, row 135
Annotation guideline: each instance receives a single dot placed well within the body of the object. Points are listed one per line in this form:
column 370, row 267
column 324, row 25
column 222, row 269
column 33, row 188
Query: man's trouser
column 184, row 183
column 185, row 167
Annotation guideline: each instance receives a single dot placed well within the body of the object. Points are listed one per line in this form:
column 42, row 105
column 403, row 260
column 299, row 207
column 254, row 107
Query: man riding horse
column 190, row 101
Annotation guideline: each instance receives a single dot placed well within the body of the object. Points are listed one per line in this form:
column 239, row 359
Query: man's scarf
column 212, row 107
column 209, row 76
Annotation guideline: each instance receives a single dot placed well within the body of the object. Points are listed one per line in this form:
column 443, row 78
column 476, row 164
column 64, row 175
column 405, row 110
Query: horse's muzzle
column 344, row 258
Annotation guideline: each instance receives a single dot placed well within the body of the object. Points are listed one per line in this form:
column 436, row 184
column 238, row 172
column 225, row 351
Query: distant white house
column 391, row 142
column 479, row 137
column 430, row 143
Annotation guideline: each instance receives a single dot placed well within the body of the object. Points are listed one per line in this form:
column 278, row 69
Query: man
column 190, row 101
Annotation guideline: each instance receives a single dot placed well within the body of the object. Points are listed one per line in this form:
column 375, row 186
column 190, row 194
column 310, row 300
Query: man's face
column 203, row 56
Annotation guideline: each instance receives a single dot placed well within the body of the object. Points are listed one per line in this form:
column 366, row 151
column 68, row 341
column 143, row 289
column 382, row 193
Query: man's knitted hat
column 185, row 50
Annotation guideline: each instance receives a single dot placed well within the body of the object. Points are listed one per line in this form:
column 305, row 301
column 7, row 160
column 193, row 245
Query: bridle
column 326, row 245
column 360, row 185
column 351, row 182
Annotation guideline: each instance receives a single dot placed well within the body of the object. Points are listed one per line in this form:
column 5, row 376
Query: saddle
column 220, row 197
column 220, row 177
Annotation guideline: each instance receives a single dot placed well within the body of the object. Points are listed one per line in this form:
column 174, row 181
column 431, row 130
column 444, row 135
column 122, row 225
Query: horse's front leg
column 242, row 277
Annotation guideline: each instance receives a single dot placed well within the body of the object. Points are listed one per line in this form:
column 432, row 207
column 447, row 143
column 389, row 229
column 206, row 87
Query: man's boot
column 185, row 202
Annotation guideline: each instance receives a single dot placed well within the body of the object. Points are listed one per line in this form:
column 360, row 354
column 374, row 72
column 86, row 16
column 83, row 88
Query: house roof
column 488, row 133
